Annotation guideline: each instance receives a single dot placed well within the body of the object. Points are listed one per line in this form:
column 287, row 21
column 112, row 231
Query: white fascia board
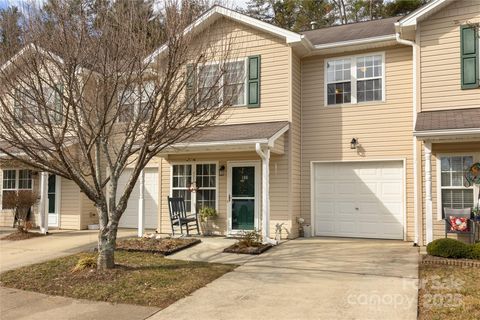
column 449, row 132
column 389, row 37
column 220, row 143
column 422, row 12
column 218, row 11
column 34, row 48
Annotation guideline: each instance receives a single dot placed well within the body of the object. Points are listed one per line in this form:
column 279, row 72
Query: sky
column 6, row 3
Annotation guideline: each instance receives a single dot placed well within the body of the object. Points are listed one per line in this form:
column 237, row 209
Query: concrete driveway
column 317, row 278
column 15, row 254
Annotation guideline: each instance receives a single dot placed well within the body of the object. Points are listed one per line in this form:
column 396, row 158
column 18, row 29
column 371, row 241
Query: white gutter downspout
column 264, row 153
column 414, row 93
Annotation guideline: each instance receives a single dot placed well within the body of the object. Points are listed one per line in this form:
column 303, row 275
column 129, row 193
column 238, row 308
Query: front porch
column 451, row 145
column 240, row 170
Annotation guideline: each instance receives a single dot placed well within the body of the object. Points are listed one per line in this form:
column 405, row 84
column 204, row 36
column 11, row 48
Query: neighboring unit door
column 359, row 199
column 243, row 197
column 129, row 218
column 52, row 200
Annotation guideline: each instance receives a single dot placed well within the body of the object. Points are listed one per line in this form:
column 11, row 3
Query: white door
column 359, row 199
column 129, row 218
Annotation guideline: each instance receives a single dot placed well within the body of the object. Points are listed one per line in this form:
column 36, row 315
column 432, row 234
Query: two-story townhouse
column 64, row 206
column 348, row 127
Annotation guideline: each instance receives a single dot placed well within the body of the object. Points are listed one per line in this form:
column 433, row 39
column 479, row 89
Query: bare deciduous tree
column 85, row 99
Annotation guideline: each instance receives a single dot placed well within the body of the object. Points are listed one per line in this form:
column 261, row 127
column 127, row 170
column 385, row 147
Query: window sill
column 358, row 104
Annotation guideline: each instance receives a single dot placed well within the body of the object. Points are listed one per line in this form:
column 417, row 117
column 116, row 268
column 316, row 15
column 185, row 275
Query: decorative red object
column 459, row 224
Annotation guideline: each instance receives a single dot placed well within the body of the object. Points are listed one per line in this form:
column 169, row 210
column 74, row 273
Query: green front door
column 243, row 198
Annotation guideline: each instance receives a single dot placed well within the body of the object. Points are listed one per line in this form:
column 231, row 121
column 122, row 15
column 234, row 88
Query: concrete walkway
column 17, row 304
column 318, row 278
column 15, row 254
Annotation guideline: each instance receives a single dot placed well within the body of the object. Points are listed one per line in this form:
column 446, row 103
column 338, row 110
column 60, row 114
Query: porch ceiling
column 235, row 137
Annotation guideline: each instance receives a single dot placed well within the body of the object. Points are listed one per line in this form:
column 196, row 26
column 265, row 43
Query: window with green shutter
column 253, row 79
column 469, row 56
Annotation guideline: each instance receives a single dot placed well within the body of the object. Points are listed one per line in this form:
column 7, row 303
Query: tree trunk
column 107, row 237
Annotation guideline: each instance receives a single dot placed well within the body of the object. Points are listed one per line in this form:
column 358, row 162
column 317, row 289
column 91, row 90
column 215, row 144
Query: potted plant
column 207, row 214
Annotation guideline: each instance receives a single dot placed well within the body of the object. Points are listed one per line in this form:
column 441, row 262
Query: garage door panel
column 368, row 199
column 129, row 218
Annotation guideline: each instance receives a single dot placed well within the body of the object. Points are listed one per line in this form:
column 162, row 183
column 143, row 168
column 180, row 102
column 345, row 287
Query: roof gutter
column 389, row 37
column 414, row 141
column 446, row 132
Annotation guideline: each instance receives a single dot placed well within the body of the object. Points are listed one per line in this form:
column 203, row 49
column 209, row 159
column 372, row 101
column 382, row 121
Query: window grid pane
column 24, row 179
column 369, row 78
column 454, row 193
column 9, row 179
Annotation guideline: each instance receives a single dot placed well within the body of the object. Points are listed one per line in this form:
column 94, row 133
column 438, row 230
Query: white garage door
column 130, row 216
column 359, row 199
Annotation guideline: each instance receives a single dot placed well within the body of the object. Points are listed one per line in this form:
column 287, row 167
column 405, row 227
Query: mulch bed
column 236, row 248
column 19, row 235
column 432, row 260
column 165, row 246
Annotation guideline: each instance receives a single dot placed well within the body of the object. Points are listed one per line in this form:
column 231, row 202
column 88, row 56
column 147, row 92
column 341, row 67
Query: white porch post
column 264, row 153
column 141, row 205
column 43, row 202
column 428, row 191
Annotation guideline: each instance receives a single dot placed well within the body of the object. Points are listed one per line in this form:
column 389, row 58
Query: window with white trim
column 16, row 179
column 453, row 191
column 196, row 184
column 134, row 101
column 228, row 86
column 356, row 79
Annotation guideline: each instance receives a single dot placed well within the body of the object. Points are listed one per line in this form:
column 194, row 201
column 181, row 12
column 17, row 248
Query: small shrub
column 449, row 248
column 21, row 203
column 475, row 251
column 85, row 263
column 207, row 212
column 250, row 239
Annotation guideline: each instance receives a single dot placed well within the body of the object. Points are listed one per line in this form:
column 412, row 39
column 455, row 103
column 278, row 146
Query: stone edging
column 431, row 260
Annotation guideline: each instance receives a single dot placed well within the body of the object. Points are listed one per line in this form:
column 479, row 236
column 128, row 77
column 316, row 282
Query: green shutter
column 190, row 86
column 253, row 87
column 59, row 104
column 469, row 56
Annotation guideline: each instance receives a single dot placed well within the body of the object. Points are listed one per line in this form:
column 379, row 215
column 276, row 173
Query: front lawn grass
column 449, row 292
column 139, row 278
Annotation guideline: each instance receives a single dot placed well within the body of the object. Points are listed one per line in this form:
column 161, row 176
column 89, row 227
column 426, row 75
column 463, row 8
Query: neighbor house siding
column 440, row 58
column 384, row 130
column 70, row 205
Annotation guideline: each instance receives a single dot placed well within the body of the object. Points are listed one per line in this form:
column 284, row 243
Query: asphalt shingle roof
column 352, row 31
column 448, row 119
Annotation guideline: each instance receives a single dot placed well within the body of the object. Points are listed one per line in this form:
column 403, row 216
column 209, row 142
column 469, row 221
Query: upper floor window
column 217, row 86
column 356, row 79
column 29, row 105
column 136, row 101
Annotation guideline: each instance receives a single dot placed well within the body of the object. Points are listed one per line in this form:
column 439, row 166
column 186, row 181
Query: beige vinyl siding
column 88, row 212
column 440, row 58
column 70, row 205
column 279, row 187
column 384, row 130
column 295, row 138
column 274, row 83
